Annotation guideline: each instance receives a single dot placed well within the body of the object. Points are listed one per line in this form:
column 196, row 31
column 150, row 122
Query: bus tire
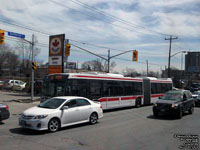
column 138, row 102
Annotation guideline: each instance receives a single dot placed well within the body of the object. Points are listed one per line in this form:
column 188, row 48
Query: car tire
column 138, row 102
column 191, row 110
column 155, row 113
column 54, row 125
column 180, row 113
column 93, row 118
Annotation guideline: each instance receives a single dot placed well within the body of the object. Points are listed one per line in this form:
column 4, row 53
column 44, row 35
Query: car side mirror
column 65, row 107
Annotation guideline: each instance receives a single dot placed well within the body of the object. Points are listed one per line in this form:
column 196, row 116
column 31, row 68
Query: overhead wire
column 114, row 17
column 83, row 13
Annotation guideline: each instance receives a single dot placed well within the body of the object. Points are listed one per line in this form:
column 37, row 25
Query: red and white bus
column 112, row 90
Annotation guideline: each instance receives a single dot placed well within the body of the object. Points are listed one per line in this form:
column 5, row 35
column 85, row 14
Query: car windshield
column 195, row 92
column 172, row 96
column 52, row 103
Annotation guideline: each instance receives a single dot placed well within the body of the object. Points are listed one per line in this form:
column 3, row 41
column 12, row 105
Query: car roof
column 177, row 91
column 69, row 97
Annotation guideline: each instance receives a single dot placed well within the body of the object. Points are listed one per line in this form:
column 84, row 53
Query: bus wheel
column 138, row 102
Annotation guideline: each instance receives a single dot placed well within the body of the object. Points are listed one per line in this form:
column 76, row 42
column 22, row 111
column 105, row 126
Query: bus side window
column 67, row 90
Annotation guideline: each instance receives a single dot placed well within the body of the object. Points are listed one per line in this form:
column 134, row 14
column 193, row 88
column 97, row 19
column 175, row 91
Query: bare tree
column 24, row 52
column 9, row 61
column 130, row 72
column 97, row 65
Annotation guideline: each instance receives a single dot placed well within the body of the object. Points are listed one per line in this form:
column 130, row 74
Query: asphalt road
column 126, row 129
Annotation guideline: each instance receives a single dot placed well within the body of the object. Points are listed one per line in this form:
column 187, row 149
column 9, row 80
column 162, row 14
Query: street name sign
column 22, row 36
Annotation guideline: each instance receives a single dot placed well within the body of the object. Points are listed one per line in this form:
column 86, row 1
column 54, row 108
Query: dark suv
column 174, row 102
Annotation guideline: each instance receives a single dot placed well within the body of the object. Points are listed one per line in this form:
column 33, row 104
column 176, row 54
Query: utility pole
column 108, row 61
column 171, row 38
column 147, row 68
column 32, row 82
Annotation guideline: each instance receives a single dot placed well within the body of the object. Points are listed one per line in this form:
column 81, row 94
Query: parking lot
column 130, row 128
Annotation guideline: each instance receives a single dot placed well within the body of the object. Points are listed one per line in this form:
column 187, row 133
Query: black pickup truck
column 174, row 102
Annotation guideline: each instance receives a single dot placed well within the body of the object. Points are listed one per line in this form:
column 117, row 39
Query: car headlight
column 155, row 105
column 40, row 116
column 174, row 105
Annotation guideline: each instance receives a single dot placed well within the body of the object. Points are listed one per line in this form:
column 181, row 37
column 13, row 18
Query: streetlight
column 170, row 59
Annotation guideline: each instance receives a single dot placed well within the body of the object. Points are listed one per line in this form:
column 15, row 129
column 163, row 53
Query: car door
column 184, row 101
column 85, row 108
column 189, row 100
column 72, row 114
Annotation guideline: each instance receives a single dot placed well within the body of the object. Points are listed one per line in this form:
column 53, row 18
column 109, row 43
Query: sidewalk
column 17, row 101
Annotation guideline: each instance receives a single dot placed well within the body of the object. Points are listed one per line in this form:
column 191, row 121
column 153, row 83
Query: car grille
column 164, row 105
column 27, row 117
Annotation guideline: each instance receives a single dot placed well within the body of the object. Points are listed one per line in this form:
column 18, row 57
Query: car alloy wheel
column 93, row 118
column 54, row 125
column 191, row 110
column 155, row 113
column 180, row 114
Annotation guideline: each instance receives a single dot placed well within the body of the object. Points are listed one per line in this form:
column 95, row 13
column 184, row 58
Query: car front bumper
column 166, row 111
column 35, row 124
column 4, row 115
column 197, row 103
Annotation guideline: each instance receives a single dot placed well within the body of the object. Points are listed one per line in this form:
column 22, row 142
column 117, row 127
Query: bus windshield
column 54, row 85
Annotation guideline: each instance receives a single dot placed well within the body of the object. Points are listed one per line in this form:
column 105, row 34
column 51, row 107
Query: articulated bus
column 112, row 90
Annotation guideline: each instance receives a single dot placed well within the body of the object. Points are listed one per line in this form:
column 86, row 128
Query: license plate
column 162, row 110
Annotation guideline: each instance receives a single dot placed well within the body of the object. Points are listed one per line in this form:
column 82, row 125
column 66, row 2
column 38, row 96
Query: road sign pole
column 32, row 82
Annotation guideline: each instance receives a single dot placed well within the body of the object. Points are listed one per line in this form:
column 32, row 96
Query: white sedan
column 60, row 112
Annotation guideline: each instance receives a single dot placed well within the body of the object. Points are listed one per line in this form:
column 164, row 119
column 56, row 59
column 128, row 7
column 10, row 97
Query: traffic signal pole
column 32, row 81
column 106, row 59
column 66, row 54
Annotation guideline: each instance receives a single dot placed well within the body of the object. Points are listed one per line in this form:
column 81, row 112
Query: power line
column 45, row 33
column 83, row 13
column 25, row 27
column 113, row 17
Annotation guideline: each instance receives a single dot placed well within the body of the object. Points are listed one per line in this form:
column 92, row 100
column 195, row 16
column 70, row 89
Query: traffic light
column 34, row 65
column 2, row 36
column 67, row 49
column 135, row 55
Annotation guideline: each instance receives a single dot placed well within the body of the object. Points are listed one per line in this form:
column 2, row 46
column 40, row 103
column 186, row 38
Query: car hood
column 166, row 102
column 38, row 111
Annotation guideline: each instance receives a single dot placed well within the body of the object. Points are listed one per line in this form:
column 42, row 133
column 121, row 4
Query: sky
column 102, row 25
